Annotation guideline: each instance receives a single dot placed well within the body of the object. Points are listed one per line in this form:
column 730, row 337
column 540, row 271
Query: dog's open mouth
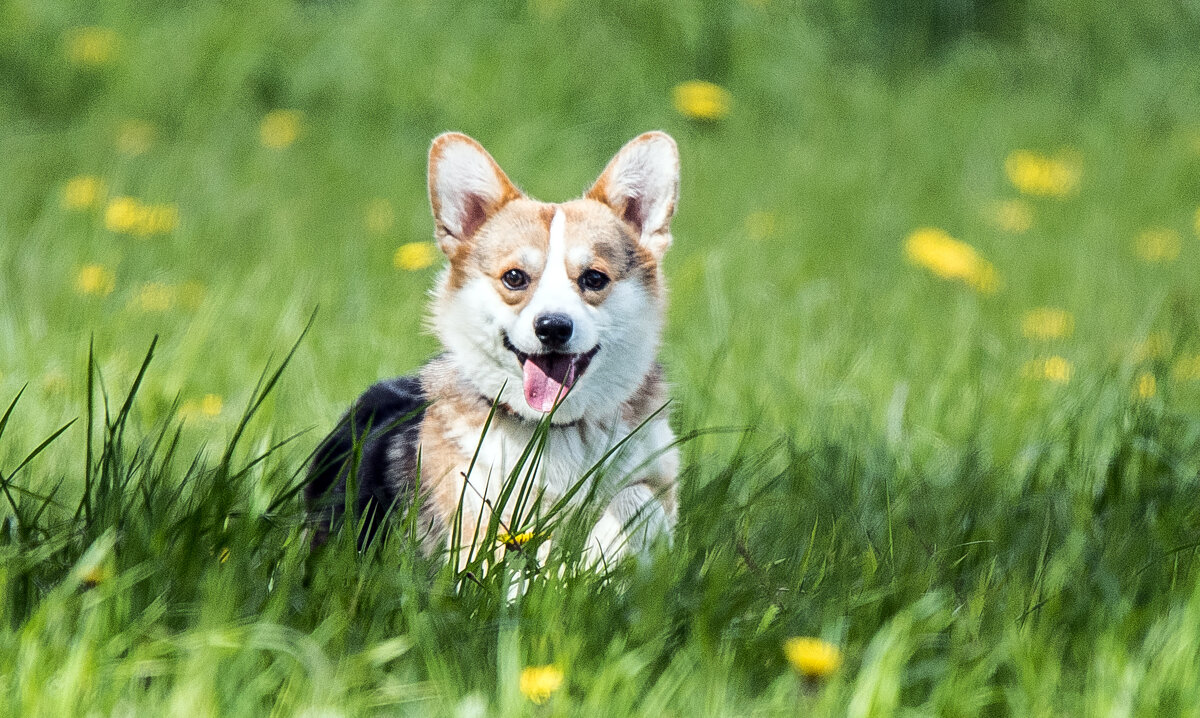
column 548, row 377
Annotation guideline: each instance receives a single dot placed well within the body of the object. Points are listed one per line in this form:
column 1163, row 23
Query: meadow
column 934, row 342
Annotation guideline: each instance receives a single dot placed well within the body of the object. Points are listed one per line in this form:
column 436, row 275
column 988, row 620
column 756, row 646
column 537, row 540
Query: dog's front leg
column 632, row 521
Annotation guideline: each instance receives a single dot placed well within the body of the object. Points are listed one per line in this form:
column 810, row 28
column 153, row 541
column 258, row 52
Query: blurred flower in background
column 1147, row 386
column 538, row 682
column 95, row 279
column 1053, row 368
column 812, row 657
column 1158, row 245
column 948, row 258
column 280, row 128
column 128, row 215
column 1047, row 323
column 701, row 100
column 1041, row 176
column 90, row 45
column 209, row 406
column 154, row 297
column 414, row 255
column 82, row 192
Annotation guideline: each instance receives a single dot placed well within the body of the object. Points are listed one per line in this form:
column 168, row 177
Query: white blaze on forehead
column 554, row 291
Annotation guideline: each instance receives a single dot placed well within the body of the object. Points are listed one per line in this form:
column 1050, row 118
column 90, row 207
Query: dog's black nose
column 553, row 329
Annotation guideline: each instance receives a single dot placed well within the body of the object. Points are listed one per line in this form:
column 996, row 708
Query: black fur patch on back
column 384, row 423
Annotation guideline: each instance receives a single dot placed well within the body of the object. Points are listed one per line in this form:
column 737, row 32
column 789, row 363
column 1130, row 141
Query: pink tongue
column 548, row 378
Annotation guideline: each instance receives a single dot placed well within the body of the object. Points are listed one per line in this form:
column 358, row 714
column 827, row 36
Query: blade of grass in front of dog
column 456, row 535
column 261, row 391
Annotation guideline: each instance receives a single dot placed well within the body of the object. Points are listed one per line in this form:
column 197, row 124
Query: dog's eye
column 593, row 280
column 515, row 279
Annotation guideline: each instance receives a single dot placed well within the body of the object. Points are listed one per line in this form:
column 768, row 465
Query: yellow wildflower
column 280, row 128
column 224, row 555
column 1014, row 215
column 122, row 214
column 700, row 100
column 538, row 682
column 414, row 256
column 154, row 297
column 1187, row 368
column 1158, row 245
column 812, row 657
column 760, row 225
column 82, row 192
column 514, row 541
column 379, row 216
column 1041, row 176
column 1047, row 323
column 207, row 407
column 90, row 45
column 158, row 219
column 95, row 279
column 129, row 215
column 1054, row 368
column 95, row 575
column 134, row 137
column 1154, row 346
column 1147, row 386
column 949, row 258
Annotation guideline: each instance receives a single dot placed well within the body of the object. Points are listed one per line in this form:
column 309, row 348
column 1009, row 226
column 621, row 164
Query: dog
column 548, row 314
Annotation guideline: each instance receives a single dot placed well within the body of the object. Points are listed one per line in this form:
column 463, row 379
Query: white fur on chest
column 569, row 453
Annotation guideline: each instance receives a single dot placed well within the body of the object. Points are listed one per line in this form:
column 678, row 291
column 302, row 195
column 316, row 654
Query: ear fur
column 641, row 185
column 466, row 187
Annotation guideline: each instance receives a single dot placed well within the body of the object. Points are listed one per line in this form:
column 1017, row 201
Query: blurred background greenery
column 940, row 254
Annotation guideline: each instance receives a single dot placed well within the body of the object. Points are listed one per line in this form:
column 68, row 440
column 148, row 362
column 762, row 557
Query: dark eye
column 593, row 280
column 515, row 279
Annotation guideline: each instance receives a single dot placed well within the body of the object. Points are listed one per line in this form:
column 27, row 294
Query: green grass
column 890, row 475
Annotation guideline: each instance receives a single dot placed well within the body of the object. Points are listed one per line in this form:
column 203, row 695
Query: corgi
column 547, row 313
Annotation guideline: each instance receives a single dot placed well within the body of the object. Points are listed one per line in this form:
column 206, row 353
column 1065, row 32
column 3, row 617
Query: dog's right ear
column 466, row 186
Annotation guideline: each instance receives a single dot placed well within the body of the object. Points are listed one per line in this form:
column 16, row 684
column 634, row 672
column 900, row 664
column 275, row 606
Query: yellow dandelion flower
column 1047, row 323
column 379, row 217
column 1041, row 176
column 514, row 541
column 1014, row 215
column 1157, row 245
column 82, row 192
column 128, row 215
column 812, row 657
column 90, row 45
column 1055, row 369
column 123, row 214
column 157, row 219
column 211, row 405
column 154, row 297
column 949, row 258
column 760, row 225
column 701, row 100
column 93, row 576
column 134, row 137
column 95, row 279
column 414, row 255
column 538, row 682
column 223, row 556
column 280, row 128
column 1147, row 386
column 1186, row 368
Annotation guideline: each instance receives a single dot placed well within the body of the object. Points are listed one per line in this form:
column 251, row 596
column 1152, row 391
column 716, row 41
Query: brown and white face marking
column 552, row 304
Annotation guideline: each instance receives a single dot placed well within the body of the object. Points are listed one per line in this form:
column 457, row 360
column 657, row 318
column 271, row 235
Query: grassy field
column 935, row 322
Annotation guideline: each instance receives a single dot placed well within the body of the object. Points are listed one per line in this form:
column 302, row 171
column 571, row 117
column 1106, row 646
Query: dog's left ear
column 641, row 185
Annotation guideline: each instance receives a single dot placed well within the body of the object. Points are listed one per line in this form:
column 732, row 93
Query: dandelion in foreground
column 1158, row 245
column 95, row 279
column 949, row 258
column 223, row 556
column 280, row 128
column 1147, row 386
column 1014, row 216
column 95, row 575
column 514, row 541
column 812, row 657
column 90, row 45
column 701, row 100
column 414, row 255
column 1042, row 176
column 538, row 682
column 1047, row 323
column 82, row 192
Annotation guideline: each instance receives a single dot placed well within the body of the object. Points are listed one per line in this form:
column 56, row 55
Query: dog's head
column 559, row 304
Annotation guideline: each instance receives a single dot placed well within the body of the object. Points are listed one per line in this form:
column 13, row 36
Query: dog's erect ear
column 466, row 186
column 641, row 184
